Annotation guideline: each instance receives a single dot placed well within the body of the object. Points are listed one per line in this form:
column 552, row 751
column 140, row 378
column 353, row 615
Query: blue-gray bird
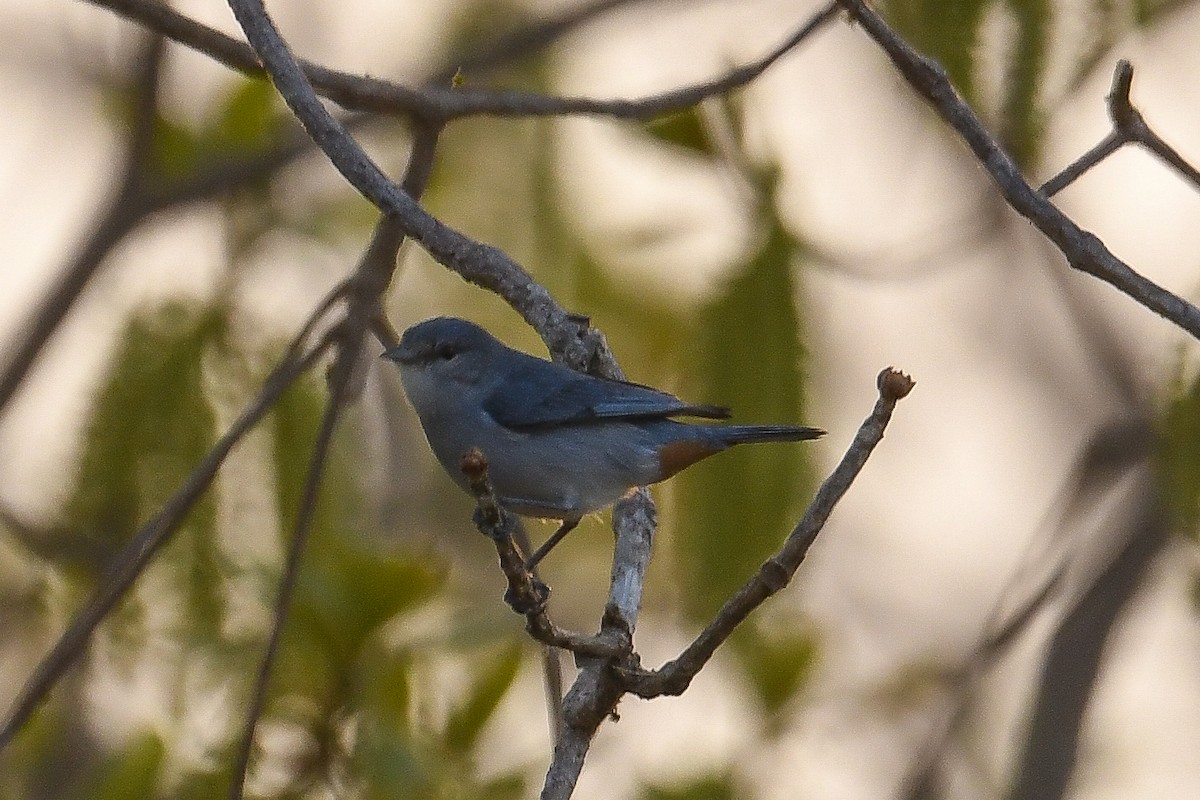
column 559, row 444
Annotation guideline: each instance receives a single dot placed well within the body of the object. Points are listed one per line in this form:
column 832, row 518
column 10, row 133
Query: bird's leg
column 548, row 545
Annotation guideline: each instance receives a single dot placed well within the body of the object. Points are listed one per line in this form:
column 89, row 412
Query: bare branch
column 466, row 101
column 526, row 594
column 132, row 204
column 437, row 103
column 364, row 295
column 776, row 572
column 1129, row 127
column 1083, row 250
column 141, row 549
column 484, row 265
column 1043, row 573
column 1073, row 661
column 1107, row 146
column 597, row 689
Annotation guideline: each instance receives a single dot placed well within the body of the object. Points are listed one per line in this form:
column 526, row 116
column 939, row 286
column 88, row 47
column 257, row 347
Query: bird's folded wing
column 543, row 394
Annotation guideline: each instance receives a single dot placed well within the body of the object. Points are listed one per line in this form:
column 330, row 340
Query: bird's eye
column 446, row 352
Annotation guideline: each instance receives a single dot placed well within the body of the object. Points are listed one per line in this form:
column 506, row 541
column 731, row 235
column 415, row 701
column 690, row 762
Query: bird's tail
column 748, row 434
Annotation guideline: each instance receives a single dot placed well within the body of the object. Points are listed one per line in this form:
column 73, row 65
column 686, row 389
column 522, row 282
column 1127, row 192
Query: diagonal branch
column 365, row 292
column 1083, row 250
column 132, row 204
column 287, row 584
column 1043, row 574
column 776, row 572
column 141, row 549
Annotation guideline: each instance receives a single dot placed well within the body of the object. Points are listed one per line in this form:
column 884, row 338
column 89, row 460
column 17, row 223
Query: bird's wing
column 542, row 394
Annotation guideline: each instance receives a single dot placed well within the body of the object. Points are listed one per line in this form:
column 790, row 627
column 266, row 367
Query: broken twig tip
column 894, row 384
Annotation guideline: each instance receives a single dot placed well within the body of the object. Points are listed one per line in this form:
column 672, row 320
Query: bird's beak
column 401, row 354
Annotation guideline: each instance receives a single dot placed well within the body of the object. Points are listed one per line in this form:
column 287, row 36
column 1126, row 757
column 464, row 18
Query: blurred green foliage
column 1179, row 454
column 713, row 787
column 130, row 772
column 338, row 678
column 359, row 697
column 734, row 510
column 952, row 32
column 151, row 423
column 248, row 121
column 683, row 129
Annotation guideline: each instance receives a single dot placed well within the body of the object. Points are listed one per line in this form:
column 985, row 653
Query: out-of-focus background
column 771, row 252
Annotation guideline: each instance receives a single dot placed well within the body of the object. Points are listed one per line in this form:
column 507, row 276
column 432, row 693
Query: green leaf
column 946, row 30
column 392, row 766
column 203, row 785
column 736, row 508
column 1179, row 455
column 682, row 129
column 779, row 660
column 712, row 787
column 348, row 586
column 505, row 787
column 249, row 119
column 175, row 151
column 132, row 772
column 492, row 682
column 385, row 689
column 149, row 426
column 1023, row 116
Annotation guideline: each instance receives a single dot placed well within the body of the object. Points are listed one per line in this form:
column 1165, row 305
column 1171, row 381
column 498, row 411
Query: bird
column 559, row 444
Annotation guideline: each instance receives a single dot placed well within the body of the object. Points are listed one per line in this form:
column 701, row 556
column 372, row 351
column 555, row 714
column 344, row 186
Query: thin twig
column 1128, row 127
column 1042, row 575
column 776, row 572
column 134, row 556
column 466, row 101
column 526, row 594
column 598, row 688
column 1083, row 250
column 1110, row 144
column 365, row 93
column 364, row 294
column 287, row 582
column 132, row 204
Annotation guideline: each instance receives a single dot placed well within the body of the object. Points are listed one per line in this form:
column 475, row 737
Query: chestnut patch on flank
column 678, row 455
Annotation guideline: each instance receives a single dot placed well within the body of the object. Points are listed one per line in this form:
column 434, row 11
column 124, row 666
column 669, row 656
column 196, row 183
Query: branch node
column 526, row 594
column 774, row 575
